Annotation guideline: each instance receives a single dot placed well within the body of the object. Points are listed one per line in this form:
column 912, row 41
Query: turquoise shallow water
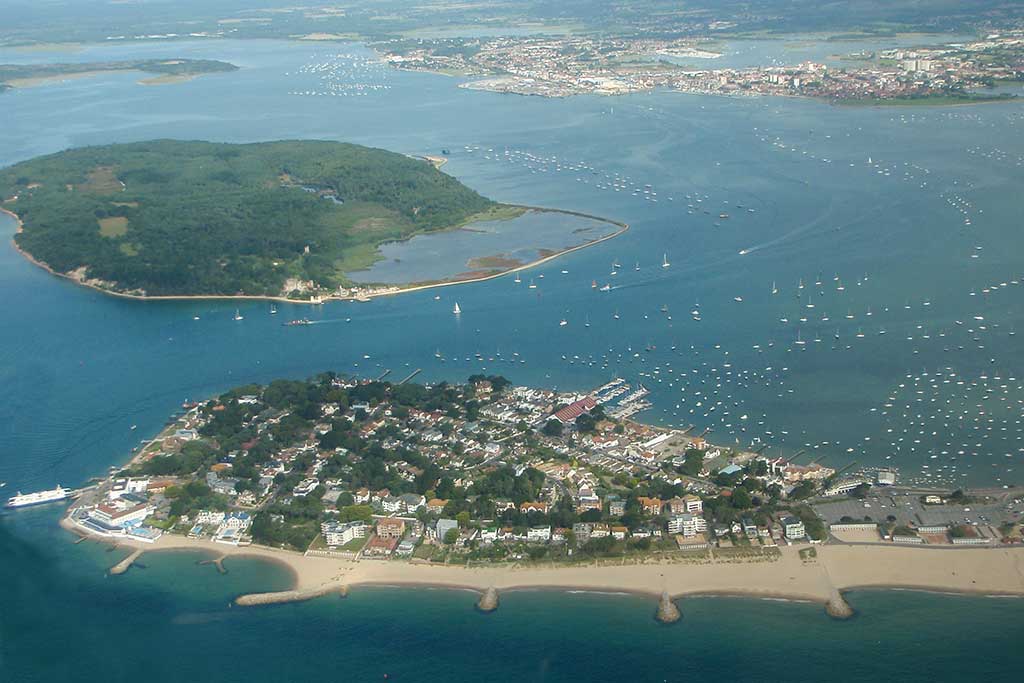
column 79, row 368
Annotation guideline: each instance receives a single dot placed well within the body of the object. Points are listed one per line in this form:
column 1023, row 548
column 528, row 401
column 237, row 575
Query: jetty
column 411, row 375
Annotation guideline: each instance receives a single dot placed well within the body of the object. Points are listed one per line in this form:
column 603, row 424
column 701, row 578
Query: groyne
column 290, row 596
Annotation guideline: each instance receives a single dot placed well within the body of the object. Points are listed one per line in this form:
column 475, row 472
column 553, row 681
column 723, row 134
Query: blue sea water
column 879, row 198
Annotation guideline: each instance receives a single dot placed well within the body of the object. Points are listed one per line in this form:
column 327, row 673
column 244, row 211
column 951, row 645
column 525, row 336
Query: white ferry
column 25, row 499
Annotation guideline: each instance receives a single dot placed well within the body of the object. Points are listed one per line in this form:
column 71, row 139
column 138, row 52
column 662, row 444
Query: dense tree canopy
column 175, row 217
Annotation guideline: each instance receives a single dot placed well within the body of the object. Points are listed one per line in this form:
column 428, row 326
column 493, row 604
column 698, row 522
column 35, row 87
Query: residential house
column 411, row 502
column 443, row 526
column 651, row 506
column 390, row 527
column 793, row 528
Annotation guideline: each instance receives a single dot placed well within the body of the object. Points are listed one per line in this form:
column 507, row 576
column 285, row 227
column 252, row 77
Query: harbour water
column 909, row 214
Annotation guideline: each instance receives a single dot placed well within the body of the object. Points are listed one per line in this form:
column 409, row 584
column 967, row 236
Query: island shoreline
column 622, row 228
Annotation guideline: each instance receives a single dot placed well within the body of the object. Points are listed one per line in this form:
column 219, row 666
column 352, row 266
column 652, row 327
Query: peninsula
column 285, row 219
column 163, row 70
column 491, row 486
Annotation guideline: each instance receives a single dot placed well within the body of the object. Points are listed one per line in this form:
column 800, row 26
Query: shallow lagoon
column 483, row 247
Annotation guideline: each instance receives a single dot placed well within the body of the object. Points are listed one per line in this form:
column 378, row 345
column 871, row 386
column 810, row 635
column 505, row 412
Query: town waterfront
column 876, row 197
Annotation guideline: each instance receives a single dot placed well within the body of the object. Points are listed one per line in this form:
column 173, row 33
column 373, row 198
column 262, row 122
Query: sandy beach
column 837, row 568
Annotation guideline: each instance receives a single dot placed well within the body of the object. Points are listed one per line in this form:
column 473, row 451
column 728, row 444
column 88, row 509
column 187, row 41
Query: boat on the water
column 300, row 321
column 39, row 497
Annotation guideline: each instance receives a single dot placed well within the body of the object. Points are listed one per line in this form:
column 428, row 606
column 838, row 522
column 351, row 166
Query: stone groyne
column 837, row 607
column 488, row 602
column 290, row 596
column 122, row 566
column 668, row 612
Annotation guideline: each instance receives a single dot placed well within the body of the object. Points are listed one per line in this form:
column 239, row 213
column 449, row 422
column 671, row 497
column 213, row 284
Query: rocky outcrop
column 488, row 602
column 668, row 612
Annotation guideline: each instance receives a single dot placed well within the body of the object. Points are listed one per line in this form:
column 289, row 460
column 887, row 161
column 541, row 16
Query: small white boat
column 238, row 315
column 664, row 261
column 456, row 310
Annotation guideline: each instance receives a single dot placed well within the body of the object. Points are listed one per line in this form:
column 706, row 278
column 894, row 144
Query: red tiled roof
column 574, row 410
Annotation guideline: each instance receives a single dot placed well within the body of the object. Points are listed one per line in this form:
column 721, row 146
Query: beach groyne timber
column 250, row 599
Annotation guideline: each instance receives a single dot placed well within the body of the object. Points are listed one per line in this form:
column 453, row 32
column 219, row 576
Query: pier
column 411, row 375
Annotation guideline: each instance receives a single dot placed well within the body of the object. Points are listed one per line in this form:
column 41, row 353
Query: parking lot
column 907, row 509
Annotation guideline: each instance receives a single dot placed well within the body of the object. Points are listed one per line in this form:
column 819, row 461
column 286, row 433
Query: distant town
column 489, row 472
column 573, row 65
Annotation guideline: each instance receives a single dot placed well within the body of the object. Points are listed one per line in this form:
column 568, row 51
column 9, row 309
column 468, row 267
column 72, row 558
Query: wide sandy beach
column 836, row 568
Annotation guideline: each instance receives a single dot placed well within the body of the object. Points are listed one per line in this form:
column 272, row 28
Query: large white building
column 340, row 533
column 686, row 524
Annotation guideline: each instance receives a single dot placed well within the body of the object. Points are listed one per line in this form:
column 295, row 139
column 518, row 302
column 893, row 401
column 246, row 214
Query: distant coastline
column 391, row 291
